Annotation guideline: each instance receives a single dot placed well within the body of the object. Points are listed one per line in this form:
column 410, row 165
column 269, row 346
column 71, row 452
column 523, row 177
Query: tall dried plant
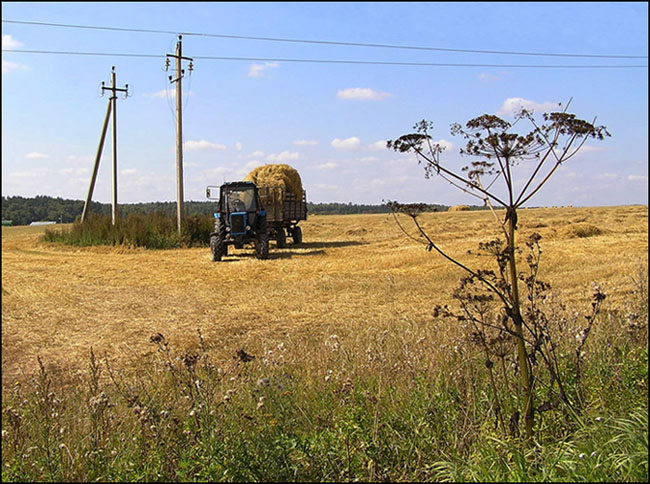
column 497, row 149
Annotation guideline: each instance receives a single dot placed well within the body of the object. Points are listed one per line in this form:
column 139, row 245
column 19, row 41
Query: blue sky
column 328, row 120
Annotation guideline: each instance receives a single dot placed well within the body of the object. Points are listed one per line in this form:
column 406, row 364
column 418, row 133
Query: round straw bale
column 277, row 175
column 459, row 208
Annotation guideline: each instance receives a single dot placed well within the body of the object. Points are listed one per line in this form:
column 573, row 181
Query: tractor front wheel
column 217, row 247
column 262, row 245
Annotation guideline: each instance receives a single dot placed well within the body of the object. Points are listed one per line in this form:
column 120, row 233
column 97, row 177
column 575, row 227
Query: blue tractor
column 240, row 219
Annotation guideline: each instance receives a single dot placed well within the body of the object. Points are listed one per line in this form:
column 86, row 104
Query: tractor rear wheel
column 281, row 238
column 262, row 245
column 297, row 235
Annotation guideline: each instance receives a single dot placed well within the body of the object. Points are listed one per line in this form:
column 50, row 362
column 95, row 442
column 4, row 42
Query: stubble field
column 352, row 276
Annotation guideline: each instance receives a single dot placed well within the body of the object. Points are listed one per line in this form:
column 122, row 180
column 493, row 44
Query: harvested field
column 351, row 274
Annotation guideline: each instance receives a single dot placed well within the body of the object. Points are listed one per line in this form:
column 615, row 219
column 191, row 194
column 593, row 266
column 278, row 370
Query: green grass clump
column 151, row 231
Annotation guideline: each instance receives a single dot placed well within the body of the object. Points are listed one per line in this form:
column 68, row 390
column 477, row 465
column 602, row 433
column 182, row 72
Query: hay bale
column 459, row 208
column 277, row 175
column 580, row 230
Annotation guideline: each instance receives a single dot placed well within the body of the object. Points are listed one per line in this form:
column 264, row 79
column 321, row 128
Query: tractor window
column 242, row 200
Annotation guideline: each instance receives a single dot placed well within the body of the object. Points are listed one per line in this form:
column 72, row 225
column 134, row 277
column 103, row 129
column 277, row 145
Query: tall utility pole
column 114, row 90
column 112, row 106
column 100, row 149
column 179, row 128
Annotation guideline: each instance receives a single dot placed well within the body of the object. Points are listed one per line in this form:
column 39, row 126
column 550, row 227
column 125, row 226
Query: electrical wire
column 325, row 42
column 329, row 61
column 69, row 52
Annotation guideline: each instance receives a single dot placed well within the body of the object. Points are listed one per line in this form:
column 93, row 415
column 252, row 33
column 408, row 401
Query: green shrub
column 152, row 231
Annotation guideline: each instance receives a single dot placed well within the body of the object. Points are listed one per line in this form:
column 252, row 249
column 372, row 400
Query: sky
column 252, row 99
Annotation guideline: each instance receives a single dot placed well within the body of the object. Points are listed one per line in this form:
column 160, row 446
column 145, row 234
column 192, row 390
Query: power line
column 329, row 61
column 69, row 52
column 429, row 64
column 326, row 42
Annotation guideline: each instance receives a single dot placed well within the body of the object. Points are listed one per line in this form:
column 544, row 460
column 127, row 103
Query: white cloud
column 35, row 155
column 324, row 186
column 637, row 178
column 11, row 66
column 488, row 77
column 327, row 166
column 305, row 142
column 591, row 149
column 73, row 171
column 607, row 176
column 80, row 159
column 202, row 145
column 378, row 146
column 282, row 157
column 362, row 94
column 255, row 70
column 30, row 175
column 444, row 144
column 346, row 144
column 167, row 93
column 8, row 43
column 251, row 165
column 247, row 168
column 217, row 171
column 130, row 171
column 256, row 154
column 238, row 146
column 513, row 105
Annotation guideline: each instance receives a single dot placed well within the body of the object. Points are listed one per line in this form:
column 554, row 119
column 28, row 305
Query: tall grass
column 151, row 231
column 387, row 405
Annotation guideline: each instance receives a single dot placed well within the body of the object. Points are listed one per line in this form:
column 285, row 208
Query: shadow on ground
column 314, row 248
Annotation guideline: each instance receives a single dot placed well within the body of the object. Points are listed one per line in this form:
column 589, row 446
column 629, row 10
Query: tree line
column 23, row 210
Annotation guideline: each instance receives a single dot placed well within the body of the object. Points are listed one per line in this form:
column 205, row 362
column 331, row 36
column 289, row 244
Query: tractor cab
column 235, row 197
column 240, row 199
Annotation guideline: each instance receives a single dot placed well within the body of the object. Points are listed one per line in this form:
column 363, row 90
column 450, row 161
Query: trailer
column 284, row 210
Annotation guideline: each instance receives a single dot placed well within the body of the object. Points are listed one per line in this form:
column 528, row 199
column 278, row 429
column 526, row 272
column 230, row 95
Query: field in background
column 353, row 274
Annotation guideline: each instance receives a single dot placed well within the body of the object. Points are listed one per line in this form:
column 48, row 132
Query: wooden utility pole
column 114, row 90
column 112, row 107
column 179, row 128
column 97, row 158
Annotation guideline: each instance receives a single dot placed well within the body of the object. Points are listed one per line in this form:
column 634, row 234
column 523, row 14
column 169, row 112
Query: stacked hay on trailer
column 283, row 198
column 277, row 175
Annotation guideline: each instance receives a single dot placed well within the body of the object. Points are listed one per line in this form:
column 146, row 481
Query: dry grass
column 354, row 275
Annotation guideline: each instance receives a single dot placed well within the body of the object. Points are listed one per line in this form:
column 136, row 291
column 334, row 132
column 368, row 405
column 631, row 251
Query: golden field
column 352, row 273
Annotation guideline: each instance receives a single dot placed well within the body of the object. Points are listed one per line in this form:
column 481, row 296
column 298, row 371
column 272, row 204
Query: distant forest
column 23, row 211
